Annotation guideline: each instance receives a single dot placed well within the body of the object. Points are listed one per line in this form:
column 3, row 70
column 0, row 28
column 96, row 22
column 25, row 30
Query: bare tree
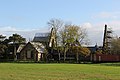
column 67, row 34
column 56, row 24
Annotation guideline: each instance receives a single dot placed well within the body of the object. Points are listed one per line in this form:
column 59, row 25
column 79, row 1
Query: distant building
column 32, row 51
column 93, row 49
column 36, row 49
column 42, row 38
column 47, row 39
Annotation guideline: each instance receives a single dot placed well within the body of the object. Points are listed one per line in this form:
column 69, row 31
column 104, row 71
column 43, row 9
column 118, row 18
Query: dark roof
column 93, row 48
column 42, row 34
column 41, row 37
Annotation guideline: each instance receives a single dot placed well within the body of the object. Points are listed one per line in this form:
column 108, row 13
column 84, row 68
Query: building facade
column 33, row 51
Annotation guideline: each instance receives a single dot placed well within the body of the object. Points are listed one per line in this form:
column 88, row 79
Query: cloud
column 112, row 19
column 96, row 30
column 8, row 28
column 115, row 25
column 27, row 33
column 107, row 15
column 87, row 25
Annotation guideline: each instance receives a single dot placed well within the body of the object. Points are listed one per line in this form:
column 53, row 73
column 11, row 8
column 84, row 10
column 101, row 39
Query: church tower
column 52, row 42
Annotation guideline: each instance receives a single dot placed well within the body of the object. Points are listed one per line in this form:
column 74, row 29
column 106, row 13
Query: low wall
column 105, row 58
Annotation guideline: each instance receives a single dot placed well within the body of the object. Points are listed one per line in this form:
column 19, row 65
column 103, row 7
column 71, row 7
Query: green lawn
column 21, row 71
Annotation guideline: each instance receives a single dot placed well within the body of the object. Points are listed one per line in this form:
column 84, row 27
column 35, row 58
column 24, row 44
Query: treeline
column 68, row 39
column 7, row 46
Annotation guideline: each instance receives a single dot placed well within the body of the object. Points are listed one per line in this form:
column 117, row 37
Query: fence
column 105, row 58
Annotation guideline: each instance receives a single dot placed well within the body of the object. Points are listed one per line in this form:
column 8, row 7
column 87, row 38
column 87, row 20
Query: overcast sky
column 27, row 17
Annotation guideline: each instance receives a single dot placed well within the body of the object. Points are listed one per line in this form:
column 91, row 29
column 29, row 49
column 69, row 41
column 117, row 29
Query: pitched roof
column 20, row 48
column 38, row 46
column 41, row 37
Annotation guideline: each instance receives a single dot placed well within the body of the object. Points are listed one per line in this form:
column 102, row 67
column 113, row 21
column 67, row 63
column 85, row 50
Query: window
column 28, row 54
column 32, row 54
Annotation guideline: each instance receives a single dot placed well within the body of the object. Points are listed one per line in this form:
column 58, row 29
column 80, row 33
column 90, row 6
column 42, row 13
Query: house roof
column 41, row 37
column 38, row 46
column 20, row 48
column 42, row 34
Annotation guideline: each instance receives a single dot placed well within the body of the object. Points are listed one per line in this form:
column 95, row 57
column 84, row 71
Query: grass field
column 32, row 71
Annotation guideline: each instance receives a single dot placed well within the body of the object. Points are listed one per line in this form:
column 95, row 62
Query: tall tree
column 56, row 24
column 3, row 47
column 2, row 38
column 79, row 50
column 115, row 45
column 70, row 34
column 16, row 39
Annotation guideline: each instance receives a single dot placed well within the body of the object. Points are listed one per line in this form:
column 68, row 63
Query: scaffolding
column 107, row 40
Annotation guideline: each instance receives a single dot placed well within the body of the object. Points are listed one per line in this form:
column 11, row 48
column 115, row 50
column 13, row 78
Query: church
column 38, row 48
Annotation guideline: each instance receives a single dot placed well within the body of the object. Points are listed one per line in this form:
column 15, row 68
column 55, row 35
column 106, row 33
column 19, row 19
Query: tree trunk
column 77, row 57
column 59, row 56
column 64, row 55
column 15, row 56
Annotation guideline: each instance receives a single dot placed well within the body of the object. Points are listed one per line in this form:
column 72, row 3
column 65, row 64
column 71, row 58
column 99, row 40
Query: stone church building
column 36, row 49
